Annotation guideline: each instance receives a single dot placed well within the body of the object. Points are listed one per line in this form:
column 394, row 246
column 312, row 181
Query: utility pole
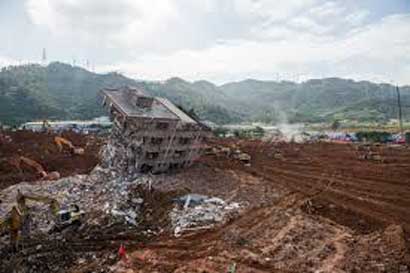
column 44, row 57
column 400, row 113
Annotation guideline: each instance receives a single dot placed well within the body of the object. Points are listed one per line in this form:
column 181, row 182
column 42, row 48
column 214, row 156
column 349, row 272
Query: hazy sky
column 217, row 40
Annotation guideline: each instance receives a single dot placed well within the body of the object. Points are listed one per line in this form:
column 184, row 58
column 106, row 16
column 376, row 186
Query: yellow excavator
column 20, row 162
column 61, row 142
column 13, row 222
column 18, row 220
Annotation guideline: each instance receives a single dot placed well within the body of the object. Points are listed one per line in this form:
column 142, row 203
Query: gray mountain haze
column 62, row 91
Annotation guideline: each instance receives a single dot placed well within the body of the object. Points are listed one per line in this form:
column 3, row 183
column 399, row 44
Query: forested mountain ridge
column 61, row 91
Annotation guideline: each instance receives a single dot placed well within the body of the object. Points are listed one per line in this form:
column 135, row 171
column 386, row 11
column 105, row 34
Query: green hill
column 61, row 91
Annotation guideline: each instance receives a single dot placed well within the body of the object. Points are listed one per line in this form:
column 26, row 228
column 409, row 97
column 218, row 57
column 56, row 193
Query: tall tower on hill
column 44, row 57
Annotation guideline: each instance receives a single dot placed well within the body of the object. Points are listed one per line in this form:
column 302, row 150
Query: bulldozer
column 245, row 158
column 63, row 142
column 18, row 220
column 242, row 157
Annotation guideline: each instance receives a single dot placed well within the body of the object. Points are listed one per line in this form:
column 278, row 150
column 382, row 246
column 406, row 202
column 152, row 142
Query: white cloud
column 225, row 40
column 163, row 25
column 5, row 61
column 330, row 8
column 365, row 54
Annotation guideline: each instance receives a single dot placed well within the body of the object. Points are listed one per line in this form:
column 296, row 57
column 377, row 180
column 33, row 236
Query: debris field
column 315, row 207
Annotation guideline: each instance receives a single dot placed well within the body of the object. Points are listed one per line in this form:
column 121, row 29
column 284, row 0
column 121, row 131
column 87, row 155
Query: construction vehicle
column 14, row 223
column 209, row 150
column 46, row 126
column 21, row 161
column 245, row 158
column 365, row 152
column 226, row 151
column 18, row 219
column 63, row 142
column 370, row 155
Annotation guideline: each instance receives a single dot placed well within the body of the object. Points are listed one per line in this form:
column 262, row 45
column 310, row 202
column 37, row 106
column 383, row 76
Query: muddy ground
column 41, row 148
column 364, row 195
column 308, row 208
column 315, row 208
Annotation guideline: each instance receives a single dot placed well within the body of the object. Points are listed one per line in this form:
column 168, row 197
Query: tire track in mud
column 359, row 194
column 331, row 263
column 372, row 189
column 379, row 211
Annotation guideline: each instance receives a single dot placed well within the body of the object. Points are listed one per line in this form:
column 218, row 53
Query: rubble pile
column 103, row 194
column 194, row 212
column 121, row 151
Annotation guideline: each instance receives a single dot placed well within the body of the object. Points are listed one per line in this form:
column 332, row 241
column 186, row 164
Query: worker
column 122, row 253
column 63, row 142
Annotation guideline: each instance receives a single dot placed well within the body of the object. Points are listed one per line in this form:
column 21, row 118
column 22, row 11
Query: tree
column 259, row 131
column 335, row 125
column 220, row 132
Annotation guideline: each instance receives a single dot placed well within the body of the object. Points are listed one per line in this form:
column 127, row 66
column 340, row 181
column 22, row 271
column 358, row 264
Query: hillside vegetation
column 61, row 91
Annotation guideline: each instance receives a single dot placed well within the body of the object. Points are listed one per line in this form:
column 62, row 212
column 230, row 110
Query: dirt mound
column 41, row 148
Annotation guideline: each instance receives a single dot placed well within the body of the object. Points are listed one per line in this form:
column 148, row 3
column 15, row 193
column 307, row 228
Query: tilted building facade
column 150, row 134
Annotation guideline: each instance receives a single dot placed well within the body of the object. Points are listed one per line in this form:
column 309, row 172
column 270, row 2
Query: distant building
column 150, row 134
column 79, row 126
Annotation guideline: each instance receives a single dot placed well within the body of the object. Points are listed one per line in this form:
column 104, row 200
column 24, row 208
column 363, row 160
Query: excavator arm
column 16, row 219
column 22, row 198
column 61, row 142
column 63, row 217
column 18, row 162
column 33, row 164
column 13, row 223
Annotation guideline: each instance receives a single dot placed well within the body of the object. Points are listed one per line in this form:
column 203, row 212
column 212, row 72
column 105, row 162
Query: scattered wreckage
column 194, row 212
column 18, row 220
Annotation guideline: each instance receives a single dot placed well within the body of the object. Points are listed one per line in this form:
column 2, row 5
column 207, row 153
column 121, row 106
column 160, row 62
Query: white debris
column 201, row 215
column 102, row 190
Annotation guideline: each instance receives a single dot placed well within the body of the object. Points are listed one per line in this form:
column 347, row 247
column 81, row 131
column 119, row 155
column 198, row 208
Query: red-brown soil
column 318, row 208
column 362, row 194
column 315, row 208
column 41, row 148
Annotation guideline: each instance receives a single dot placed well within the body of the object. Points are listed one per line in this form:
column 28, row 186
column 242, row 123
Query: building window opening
column 179, row 154
column 156, row 140
column 146, row 168
column 153, row 155
column 162, row 126
column 184, row 140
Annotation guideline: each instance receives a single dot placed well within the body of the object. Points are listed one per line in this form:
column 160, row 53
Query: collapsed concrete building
column 149, row 134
